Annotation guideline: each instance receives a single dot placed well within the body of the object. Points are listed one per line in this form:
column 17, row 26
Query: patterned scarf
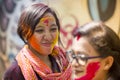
column 30, row 63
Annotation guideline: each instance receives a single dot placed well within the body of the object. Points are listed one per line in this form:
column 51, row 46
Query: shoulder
column 13, row 72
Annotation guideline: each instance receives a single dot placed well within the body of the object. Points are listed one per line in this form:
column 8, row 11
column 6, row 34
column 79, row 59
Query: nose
column 75, row 63
column 48, row 36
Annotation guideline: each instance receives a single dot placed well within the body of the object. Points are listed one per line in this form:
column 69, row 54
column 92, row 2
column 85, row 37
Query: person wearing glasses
column 95, row 53
column 40, row 58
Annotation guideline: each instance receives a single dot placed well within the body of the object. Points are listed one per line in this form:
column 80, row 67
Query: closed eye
column 39, row 31
column 53, row 29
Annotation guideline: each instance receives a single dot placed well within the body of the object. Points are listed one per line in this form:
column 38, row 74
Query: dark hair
column 30, row 17
column 105, row 41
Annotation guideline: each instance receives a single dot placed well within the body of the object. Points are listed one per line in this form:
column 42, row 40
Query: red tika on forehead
column 92, row 68
column 46, row 21
column 78, row 36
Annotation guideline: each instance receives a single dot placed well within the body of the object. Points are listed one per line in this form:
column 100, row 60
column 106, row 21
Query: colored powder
column 92, row 68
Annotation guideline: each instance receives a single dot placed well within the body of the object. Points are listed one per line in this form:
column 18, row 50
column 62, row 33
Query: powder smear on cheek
column 55, row 40
column 34, row 43
column 78, row 37
column 92, row 68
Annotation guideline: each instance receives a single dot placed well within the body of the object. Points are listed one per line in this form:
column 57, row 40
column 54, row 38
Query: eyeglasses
column 80, row 58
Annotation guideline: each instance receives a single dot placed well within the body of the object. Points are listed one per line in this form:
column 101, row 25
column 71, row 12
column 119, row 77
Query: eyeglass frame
column 78, row 56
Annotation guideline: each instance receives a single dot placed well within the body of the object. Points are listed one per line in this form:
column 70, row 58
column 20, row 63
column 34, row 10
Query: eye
column 39, row 31
column 83, row 57
column 53, row 29
column 73, row 56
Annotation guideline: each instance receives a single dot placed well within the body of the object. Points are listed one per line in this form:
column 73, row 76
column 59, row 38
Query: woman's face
column 45, row 35
column 81, row 67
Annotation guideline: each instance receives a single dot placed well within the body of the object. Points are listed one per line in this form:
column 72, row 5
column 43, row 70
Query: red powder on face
column 78, row 37
column 46, row 22
column 92, row 68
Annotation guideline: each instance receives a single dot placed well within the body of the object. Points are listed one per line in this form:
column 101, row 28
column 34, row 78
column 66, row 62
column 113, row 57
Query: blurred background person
column 95, row 53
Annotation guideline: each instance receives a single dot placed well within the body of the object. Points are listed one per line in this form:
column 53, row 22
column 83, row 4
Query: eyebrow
column 53, row 24
column 38, row 27
column 80, row 52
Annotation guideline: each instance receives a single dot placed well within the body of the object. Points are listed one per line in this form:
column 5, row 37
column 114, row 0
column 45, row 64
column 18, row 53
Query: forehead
column 82, row 45
column 48, row 16
column 47, row 20
column 79, row 43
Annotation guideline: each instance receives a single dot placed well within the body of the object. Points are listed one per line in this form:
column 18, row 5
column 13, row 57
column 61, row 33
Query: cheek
column 34, row 42
column 93, row 67
column 55, row 36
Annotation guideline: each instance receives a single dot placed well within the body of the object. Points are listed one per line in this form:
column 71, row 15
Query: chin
column 77, row 75
column 47, row 52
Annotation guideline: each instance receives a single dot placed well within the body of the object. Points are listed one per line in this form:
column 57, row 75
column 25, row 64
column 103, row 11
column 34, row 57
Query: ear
column 108, row 62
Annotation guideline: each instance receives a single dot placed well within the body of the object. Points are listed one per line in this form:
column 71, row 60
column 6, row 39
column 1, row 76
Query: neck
column 43, row 58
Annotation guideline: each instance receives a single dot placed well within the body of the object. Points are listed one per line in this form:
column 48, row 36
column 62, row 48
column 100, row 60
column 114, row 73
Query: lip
column 78, row 71
column 46, row 44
